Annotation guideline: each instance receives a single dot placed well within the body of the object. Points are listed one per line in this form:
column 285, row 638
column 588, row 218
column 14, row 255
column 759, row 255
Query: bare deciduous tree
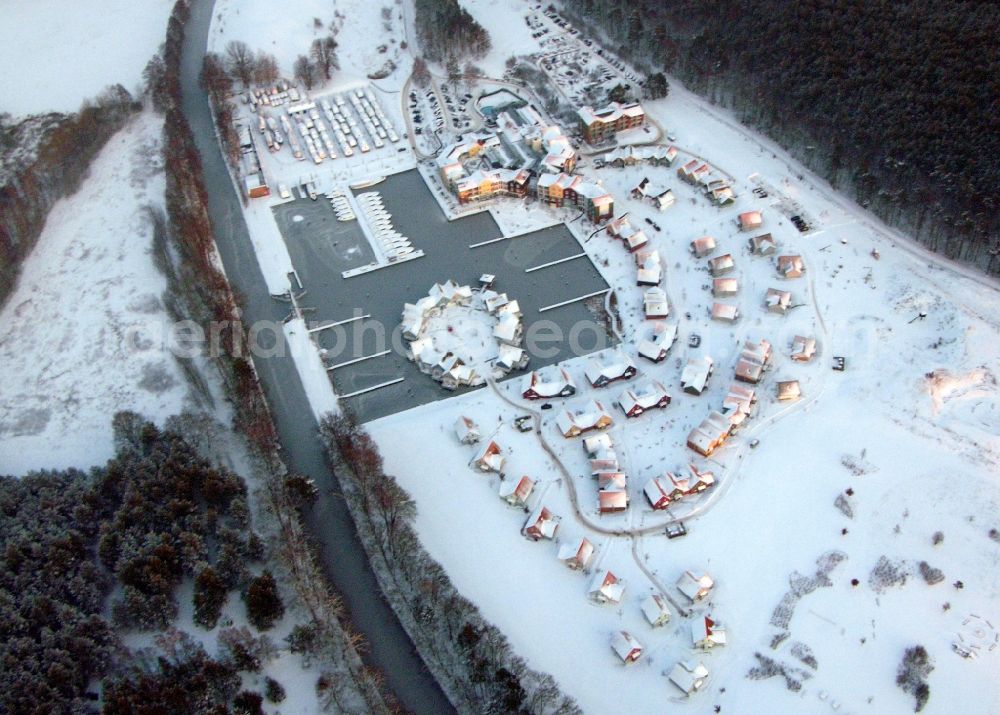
column 241, row 61
column 324, row 54
column 305, row 71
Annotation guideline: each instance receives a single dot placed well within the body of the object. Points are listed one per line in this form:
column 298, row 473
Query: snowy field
column 77, row 49
column 288, row 30
column 83, row 336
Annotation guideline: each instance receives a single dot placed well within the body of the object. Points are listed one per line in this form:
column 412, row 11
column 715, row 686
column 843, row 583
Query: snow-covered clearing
column 287, row 32
column 60, row 53
column 84, row 334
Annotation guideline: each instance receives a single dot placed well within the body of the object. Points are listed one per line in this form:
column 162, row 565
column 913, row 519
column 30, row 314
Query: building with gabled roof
column 695, row 375
column 631, row 155
column 711, row 434
column 621, row 228
column 655, row 609
column 753, row 361
column 724, row 313
column 576, row 554
column 516, row 491
column 541, row 524
column 707, row 633
column 509, row 330
column 750, row 220
column 791, row 266
column 689, row 676
column 788, row 390
column 598, row 125
column 663, row 491
column 510, row 358
column 696, row 586
column 803, row 349
column 610, row 366
column 656, row 347
column 702, row 246
column 611, row 501
column 777, row 301
column 725, row 287
column 721, row 265
column 538, row 387
column 763, row 245
column 606, row 588
column 590, row 416
column 649, row 270
column 488, row 458
column 737, row 406
column 626, row 646
column 466, row 430
column 644, row 395
column 655, row 304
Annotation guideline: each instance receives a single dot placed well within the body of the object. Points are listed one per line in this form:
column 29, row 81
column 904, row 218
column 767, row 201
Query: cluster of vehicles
column 324, row 129
column 393, row 244
column 435, row 108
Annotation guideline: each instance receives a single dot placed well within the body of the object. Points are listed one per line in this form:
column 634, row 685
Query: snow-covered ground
column 911, row 455
column 76, row 49
column 85, row 333
column 361, row 30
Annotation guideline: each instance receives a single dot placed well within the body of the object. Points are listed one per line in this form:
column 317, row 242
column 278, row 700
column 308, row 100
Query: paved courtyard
column 321, row 247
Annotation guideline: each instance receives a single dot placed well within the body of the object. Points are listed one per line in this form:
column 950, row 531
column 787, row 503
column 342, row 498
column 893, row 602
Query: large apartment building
column 601, row 124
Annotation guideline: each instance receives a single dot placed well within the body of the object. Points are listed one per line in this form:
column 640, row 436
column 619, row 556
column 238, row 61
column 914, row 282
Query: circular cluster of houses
column 458, row 335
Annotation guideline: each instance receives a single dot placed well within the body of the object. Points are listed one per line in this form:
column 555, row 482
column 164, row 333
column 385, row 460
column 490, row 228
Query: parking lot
column 321, row 247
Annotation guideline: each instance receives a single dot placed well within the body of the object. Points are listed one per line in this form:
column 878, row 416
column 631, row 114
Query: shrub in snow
column 247, row 703
column 912, row 675
column 844, row 506
column 264, row 605
column 931, row 575
column 886, row 574
column 273, row 690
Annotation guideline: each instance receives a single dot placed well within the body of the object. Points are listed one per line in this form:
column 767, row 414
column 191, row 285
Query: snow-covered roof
column 689, row 676
column 516, row 491
column 558, row 383
column 644, row 395
column 763, row 244
column 749, row 220
column 611, row 500
column 725, row 312
column 695, row 374
column 655, row 303
column 597, row 443
column 466, row 430
column 706, row 633
column 649, row 270
column 789, row 390
column 803, row 349
column 721, row 264
column 590, row 415
column 610, row 113
column 541, row 524
column 660, row 341
column 702, row 246
column 711, row 433
column 725, row 286
column 695, row 586
column 626, row 646
column 576, row 553
column 608, row 366
column 488, row 457
column 791, row 266
column 777, row 301
column 605, row 586
column 655, row 609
